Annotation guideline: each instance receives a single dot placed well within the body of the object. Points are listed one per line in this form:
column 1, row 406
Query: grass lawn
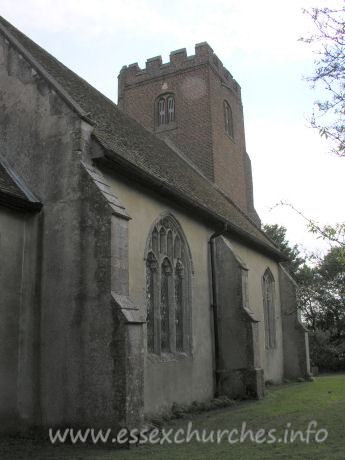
column 297, row 403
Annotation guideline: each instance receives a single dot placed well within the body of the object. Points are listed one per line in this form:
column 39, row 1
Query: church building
column 134, row 271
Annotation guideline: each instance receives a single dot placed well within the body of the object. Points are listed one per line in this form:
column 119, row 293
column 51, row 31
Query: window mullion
column 172, row 309
column 168, row 296
column 157, row 315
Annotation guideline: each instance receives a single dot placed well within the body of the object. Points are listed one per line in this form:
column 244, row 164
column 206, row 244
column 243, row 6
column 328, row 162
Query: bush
column 326, row 352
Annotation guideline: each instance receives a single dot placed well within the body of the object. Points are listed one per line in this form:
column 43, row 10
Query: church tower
column 194, row 104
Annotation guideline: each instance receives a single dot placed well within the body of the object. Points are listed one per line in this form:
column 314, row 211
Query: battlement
column 155, row 68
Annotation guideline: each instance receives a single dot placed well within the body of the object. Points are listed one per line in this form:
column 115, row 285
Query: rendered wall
column 43, row 141
column 238, row 363
column 81, row 339
column 181, row 379
column 295, row 335
column 271, row 359
column 11, row 251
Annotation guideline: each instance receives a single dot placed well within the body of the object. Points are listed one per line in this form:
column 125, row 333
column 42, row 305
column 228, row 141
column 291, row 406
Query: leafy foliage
column 320, row 293
column 321, row 296
column 278, row 234
column 330, row 72
column 335, row 235
column 325, row 353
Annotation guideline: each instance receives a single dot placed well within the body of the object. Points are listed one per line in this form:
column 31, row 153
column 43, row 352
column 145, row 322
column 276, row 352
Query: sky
column 256, row 41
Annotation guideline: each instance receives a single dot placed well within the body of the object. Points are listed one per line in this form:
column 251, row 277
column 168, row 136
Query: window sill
column 168, row 357
column 166, row 127
column 230, row 137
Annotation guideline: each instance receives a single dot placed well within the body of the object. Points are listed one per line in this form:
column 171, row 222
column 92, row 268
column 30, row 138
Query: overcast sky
column 257, row 41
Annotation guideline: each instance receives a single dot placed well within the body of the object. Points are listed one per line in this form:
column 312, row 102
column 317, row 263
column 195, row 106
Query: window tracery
column 168, row 288
column 229, row 126
column 269, row 309
column 166, row 109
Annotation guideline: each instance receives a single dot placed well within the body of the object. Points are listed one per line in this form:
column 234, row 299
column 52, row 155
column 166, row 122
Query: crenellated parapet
column 179, row 61
column 204, row 120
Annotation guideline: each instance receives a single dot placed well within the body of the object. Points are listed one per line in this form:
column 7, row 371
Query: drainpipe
column 214, row 302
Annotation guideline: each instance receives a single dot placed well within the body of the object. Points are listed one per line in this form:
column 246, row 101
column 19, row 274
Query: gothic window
column 177, row 247
column 179, row 305
column 161, row 111
column 229, row 127
column 171, row 109
column 151, row 280
column 166, row 109
column 168, row 288
column 268, row 292
column 155, row 241
column 165, row 306
column 163, row 240
column 170, row 244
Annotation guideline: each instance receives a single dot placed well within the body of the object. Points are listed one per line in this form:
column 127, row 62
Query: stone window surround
column 175, row 265
column 269, row 307
column 228, row 120
column 168, row 123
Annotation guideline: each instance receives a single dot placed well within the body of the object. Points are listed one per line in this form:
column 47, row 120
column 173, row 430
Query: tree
column 334, row 234
column 329, row 115
column 278, row 234
column 320, row 293
column 321, row 288
column 321, row 297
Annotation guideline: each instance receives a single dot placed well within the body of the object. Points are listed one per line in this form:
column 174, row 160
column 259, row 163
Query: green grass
column 297, row 403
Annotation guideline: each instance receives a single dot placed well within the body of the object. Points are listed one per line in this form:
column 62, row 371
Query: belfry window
column 168, row 288
column 229, row 127
column 165, row 109
column 171, row 109
column 268, row 293
column 161, row 111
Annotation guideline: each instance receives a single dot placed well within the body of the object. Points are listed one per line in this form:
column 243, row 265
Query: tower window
column 229, row 127
column 161, row 111
column 171, row 109
column 165, row 109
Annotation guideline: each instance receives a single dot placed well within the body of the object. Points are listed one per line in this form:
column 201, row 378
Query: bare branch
column 330, row 71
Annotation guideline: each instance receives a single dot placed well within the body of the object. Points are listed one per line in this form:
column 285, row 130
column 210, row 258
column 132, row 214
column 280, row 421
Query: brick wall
column 200, row 85
column 228, row 152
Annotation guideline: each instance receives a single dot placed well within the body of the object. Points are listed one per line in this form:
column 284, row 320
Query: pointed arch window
column 151, row 281
column 268, row 291
column 171, row 109
column 168, row 288
column 161, row 111
column 229, row 126
column 165, row 109
column 165, row 306
column 179, row 299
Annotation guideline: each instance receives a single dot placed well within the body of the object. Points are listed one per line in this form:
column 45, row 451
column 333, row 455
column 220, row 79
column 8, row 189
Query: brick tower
column 194, row 104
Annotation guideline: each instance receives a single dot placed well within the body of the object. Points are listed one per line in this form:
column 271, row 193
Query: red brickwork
column 200, row 85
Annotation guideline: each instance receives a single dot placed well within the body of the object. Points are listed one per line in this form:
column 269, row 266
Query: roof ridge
column 13, row 191
column 170, row 144
column 4, row 26
column 130, row 141
column 11, row 26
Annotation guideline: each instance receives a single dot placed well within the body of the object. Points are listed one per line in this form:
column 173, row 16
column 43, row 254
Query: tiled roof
column 13, row 192
column 133, row 147
column 8, row 186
